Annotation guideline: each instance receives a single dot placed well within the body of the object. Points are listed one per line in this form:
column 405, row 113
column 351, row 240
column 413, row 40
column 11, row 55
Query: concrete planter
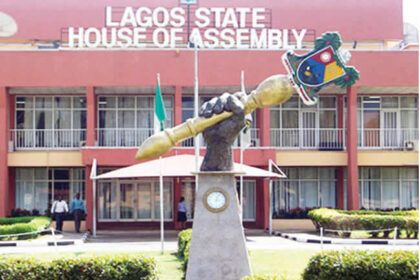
column 68, row 226
column 293, row 224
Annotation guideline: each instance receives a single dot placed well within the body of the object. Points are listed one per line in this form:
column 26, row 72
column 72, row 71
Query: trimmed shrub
column 103, row 267
column 267, row 277
column 365, row 220
column 23, row 225
column 184, row 237
column 363, row 265
column 184, row 242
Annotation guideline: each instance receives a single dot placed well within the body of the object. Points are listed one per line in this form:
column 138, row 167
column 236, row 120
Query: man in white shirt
column 58, row 209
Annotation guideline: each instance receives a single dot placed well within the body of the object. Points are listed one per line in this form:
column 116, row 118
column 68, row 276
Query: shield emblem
column 319, row 68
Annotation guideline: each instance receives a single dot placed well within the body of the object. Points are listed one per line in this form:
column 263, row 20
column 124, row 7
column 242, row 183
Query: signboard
column 227, row 28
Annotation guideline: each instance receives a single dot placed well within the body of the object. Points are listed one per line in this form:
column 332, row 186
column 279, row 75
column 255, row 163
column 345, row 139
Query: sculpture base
column 218, row 249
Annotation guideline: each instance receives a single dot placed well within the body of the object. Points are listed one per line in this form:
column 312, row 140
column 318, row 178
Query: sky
column 411, row 12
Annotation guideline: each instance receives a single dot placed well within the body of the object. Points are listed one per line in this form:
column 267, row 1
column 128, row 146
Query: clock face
column 216, row 200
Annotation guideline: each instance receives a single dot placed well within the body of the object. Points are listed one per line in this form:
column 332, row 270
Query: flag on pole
column 160, row 114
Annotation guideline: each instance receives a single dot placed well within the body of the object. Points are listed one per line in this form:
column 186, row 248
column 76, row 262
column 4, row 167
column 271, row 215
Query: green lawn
column 288, row 263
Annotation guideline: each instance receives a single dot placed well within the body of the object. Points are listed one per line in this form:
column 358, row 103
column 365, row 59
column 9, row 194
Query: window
column 295, row 125
column 388, row 188
column 128, row 120
column 36, row 188
column 50, row 121
column 387, row 121
column 188, row 192
column 249, row 199
column 133, row 200
column 305, row 188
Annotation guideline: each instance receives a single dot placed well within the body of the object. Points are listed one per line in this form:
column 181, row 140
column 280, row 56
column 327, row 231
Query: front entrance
column 134, row 201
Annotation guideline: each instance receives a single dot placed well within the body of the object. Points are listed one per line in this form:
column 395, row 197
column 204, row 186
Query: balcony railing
column 123, row 137
column 386, row 138
column 29, row 139
column 300, row 138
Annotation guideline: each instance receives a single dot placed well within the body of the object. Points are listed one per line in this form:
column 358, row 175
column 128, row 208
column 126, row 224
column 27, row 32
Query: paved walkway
column 138, row 241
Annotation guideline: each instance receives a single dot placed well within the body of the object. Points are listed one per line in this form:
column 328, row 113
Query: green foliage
column 103, row 267
column 352, row 75
column 365, row 220
column 328, row 39
column 184, row 243
column 184, row 237
column 267, row 277
column 363, row 265
column 23, row 225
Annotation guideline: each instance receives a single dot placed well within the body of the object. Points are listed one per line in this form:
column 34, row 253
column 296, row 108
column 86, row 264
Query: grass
column 288, row 263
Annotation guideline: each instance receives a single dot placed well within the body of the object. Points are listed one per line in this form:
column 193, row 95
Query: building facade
column 62, row 107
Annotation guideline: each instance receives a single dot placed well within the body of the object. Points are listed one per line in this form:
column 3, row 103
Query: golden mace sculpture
column 274, row 90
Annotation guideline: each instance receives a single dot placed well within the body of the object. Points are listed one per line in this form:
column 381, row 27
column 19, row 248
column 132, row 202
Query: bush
column 365, row 220
column 103, row 267
column 184, row 243
column 23, row 225
column 363, row 265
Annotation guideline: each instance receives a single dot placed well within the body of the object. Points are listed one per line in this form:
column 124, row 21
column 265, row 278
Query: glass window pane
column 390, row 173
column 408, row 102
column 41, row 174
column 24, row 174
column 409, row 173
column 327, row 119
column 144, row 200
column 126, row 201
column 327, row 102
column 79, row 102
column 290, row 119
column 62, row 119
column 167, row 201
column 293, row 102
column 126, row 119
column 107, row 102
column 308, row 173
column 43, row 119
column 390, row 195
column 79, row 119
column 107, row 200
column 409, row 120
column 372, row 195
column 188, row 192
column 327, row 173
column 145, row 102
column 187, row 102
column 410, row 194
column 24, row 102
column 249, row 199
column 41, row 197
column 274, row 118
column 24, row 119
column 107, row 119
column 125, row 102
column 62, row 102
column 309, row 194
column 167, row 100
column 371, row 173
column 43, row 102
column 328, row 194
column 389, row 102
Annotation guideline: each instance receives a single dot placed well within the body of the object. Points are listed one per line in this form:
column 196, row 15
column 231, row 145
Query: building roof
column 178, row 166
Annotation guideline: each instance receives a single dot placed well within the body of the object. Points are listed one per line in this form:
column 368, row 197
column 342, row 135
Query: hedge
column 184, row 243
column 23, row 225
column 366, row 220
column 103, row 267
column 363, row 265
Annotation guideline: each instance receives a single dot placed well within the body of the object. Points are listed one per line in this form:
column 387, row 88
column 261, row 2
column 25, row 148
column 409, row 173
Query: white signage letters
column 215, row 27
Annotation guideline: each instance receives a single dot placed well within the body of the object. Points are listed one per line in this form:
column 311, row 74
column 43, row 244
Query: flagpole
column 92, row 177
column 196, row 139
column 270, row 193
column 162, row 235
column 241, row 178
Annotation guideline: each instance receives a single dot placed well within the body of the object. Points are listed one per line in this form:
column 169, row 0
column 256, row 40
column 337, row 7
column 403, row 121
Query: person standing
column 182, row 212
column 58, row 209
column 78, row 208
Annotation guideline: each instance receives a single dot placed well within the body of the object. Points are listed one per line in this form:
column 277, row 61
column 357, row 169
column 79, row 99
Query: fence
column 47, row 138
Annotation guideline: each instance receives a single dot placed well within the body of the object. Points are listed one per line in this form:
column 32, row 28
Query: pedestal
column 218, row 249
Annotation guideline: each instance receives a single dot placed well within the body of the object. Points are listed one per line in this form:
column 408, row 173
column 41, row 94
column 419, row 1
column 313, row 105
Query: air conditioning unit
column 411, row 145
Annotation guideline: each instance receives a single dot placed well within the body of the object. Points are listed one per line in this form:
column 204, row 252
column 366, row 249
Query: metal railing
column 308, row 138
column 123, row 137
column 29, row 139
column 382, row 138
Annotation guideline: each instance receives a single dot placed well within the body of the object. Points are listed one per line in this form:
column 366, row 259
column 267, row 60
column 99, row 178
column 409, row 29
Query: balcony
column 123, row 137
column 335, row 139
column 39, row 139
column 308, row 139
column 381, row 138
